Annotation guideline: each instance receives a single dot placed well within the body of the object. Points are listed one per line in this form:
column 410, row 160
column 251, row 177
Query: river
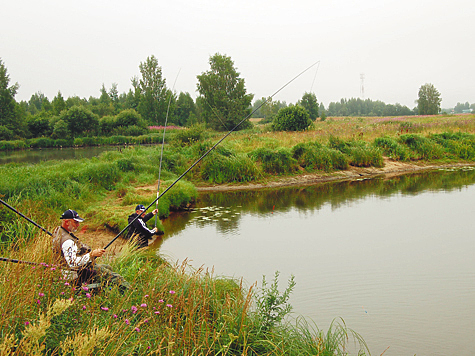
column 394, row 258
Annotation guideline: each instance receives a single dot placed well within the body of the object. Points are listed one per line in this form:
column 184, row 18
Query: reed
column 274, row 161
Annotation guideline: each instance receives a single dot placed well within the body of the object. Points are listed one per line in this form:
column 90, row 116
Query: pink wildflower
column 160, row 301
column 53, row 269
column 169, row 305
column 66, row 283
column 146, row 295
column 115, row 316
column 105, row 308
column 41, row 294
column 127, row 321
column 137, row 329
column 85, row 288
column 157, row 312
column 38, row 301
column 83, row 307
column 172, row 292
column 88, row 295
column 143, row 305
column 27, row 323
column 134, row 309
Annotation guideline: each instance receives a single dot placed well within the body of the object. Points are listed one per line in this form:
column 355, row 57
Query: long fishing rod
column 163, row 144
column 207, row 152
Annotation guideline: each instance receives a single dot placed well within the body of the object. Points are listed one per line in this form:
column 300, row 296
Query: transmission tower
column 362, row 86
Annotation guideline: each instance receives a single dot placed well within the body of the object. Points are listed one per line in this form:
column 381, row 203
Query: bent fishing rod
column 209, row 151
column 163, row 144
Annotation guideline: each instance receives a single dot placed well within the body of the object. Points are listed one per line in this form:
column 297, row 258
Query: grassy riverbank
column 206, row 315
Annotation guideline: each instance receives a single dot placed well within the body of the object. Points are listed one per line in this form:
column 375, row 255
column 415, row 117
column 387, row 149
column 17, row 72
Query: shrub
column 41, row 142
column 274, row 161
column 12, row 145
column 193, row 134
column 220, row 169
column 315, row 156
column 424, row 147
column 292, row 118
column 392, row 148
column 361, row 155
column 6, row 133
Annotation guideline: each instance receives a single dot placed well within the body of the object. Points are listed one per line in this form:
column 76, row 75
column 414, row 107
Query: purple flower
column 27, row 323
column 85, row 288
column 143, row 305
column 66, row 283
column 137, row 329
column 127, row 321
column 62, row 293
column 172, row 292
column 83, row 307
column 88, row 295
column 115, row 316
column 157, row 312
column 38, row 301
column 169, row 305
column 105, row 308
column 134, row 309
column 160, row 301
column 41, row 294
column 146, row 295
column 53, row 269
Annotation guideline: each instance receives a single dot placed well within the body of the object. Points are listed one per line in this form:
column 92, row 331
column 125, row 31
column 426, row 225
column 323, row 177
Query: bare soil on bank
column 391, row 169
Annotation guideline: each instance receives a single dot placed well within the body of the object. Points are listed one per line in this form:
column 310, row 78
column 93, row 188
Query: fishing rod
column 25, row 217
column 207, row 152
column 163, row 144
column 19, row 261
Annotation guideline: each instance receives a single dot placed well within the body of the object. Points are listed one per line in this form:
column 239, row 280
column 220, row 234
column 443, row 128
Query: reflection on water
column 393, row 257
column 223, row 209
column 47, row 154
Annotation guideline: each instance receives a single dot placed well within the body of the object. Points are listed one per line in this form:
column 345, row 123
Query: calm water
column 394, row 258
column 47, row 154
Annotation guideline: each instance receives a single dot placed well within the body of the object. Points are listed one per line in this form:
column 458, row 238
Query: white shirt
column 70, row 252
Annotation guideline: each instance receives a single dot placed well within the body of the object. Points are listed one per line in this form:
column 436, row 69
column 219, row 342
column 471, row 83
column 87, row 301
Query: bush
column 392, row 148
column 361, row 155
column 424, row 147
column 191, row 135
column 220, row 169
column 292, row 118
column 274, row 161
column 12, row 145
column 41, row 142
column 6, row 133
column 315, row 156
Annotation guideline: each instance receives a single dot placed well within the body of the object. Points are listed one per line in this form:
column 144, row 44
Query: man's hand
column 154, row 230
column 97, row 252
column 155, row 211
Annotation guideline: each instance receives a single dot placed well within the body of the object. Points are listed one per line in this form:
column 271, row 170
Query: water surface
column 393, row 258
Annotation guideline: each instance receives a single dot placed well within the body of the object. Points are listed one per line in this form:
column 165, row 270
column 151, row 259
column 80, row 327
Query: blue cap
column 140, row 207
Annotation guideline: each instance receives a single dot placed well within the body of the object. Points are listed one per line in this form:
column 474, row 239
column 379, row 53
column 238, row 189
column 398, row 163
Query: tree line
column 222, row 102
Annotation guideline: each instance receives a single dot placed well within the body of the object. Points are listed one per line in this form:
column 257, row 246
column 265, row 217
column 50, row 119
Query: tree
column 292, row 118
column 459, row 108
column 58, row 104
column 9, row 117
column 309, row 102
column 224, row 95
column 80, row 121
column 153, row 91
column 429, row 100
column 185, row 108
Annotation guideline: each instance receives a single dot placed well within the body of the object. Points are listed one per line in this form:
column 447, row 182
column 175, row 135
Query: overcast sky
column 76, row 46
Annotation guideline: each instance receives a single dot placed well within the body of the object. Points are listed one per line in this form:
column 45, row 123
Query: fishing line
column 207, row 152
column 315, row 76
column 163, row 144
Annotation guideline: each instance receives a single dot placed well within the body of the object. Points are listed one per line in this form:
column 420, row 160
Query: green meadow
column 175, row 309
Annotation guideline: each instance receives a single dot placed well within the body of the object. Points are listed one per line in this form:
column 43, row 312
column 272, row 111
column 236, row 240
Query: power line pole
column 362, row 86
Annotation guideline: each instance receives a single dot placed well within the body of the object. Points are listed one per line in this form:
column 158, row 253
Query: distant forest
column 149, row 100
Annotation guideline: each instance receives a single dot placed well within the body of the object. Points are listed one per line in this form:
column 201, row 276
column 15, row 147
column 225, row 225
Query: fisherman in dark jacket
column 139, row 230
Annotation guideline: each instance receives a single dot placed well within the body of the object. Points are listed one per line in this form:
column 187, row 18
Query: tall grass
column 172, row 310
